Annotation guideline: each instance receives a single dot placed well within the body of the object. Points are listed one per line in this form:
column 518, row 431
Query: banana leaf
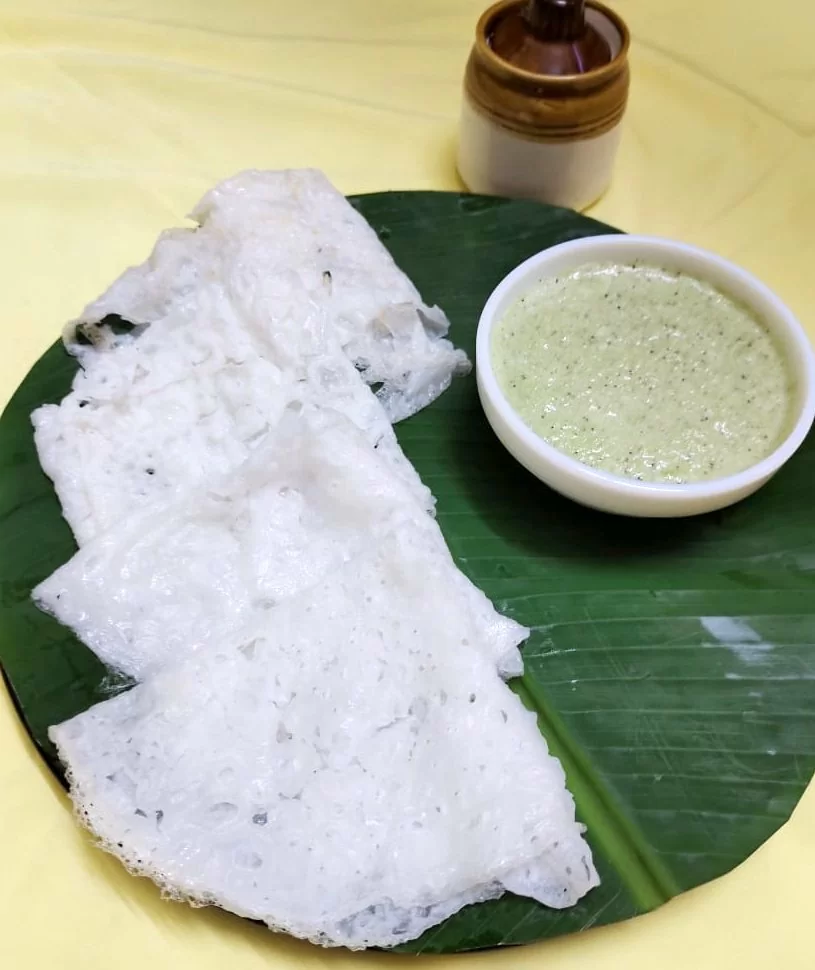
column 671, row 663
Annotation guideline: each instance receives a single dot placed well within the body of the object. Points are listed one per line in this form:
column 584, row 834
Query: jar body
column 493, row 160
column 553, row 138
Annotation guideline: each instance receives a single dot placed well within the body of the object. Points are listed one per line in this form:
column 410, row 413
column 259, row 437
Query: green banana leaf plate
column 672, row 663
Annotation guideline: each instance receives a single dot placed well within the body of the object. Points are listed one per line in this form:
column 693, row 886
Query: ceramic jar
column 547, row 137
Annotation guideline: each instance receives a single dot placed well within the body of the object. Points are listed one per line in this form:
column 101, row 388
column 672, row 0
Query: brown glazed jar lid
column 549, row 37
column 554, row 107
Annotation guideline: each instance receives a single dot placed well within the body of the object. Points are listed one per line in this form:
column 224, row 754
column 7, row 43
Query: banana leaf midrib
column 613, row 832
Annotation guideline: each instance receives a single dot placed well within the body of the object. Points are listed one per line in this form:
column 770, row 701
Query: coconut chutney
column 643, row 372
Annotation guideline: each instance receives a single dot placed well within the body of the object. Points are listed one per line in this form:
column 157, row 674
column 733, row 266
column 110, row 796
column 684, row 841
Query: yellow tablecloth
column 116, row 114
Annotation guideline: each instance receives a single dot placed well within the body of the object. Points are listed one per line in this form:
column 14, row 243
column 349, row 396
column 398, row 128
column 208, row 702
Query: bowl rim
column 756, row 291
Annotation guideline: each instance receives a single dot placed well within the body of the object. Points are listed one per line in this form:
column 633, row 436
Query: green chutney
column 645, row 373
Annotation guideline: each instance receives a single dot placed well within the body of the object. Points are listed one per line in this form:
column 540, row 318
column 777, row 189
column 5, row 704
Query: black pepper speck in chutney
column 645, row 373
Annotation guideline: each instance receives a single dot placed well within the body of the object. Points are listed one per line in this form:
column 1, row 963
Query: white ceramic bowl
column 613, row 493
